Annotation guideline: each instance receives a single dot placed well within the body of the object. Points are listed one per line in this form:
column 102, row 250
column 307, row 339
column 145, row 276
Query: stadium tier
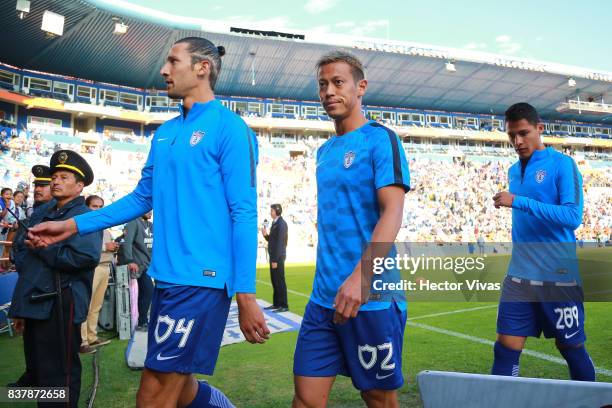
column 142, row 107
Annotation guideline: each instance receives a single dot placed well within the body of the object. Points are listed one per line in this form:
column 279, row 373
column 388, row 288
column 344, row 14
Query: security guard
column 42, row 195
column 42, row 187
column 52, row 294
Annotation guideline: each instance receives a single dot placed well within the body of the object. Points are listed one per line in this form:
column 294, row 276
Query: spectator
column 89, row 328
column 135, row 252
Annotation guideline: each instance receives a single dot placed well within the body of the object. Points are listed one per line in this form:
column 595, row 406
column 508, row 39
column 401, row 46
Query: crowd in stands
column 450, row 201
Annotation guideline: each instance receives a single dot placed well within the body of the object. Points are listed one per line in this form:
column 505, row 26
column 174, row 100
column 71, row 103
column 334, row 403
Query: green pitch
column 261, row 375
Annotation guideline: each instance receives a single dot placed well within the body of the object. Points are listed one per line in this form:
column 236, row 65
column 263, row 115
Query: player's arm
column 566, row 214
column 133, row 205
column 355, row 290
column 238, row 160
column 392, row 181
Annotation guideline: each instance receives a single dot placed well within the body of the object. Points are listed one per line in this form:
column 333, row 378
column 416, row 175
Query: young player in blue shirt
column 199, row 179
column 541, row 292
column 362, row 177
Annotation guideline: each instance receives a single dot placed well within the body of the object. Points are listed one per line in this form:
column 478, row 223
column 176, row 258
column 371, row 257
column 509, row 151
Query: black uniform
column 277, row 249
column 52, row 339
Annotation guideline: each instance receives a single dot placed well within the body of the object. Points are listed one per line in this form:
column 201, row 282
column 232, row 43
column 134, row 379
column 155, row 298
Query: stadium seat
column 7, row 285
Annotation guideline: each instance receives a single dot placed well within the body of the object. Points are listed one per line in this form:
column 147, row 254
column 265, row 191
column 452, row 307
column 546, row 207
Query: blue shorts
column 186, row 329
column 562, row 320
column 367, row 348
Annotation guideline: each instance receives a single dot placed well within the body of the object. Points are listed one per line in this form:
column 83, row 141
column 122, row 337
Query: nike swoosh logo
column 162, row 358
column 571, row 335
column 380, row 377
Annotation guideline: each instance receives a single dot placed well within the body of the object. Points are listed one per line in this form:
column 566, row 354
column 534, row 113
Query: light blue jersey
column 199, row 179
column 546, row 210
column 350, row 170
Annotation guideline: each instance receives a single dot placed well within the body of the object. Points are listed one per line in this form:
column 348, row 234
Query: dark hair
column 5, row 189
column 18, row 192
column 92, row 197
column 277, row 208
column 522, row 110
column 203, row 50
column 340, row 56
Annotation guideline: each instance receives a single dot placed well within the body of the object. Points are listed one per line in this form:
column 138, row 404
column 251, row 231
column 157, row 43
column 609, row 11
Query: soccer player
column 362, row 177
column 199, row 179
column 541, row 292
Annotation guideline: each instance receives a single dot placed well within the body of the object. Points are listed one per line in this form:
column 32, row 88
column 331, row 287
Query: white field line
column 450, row 312
column 410, row 322
column 288, row 290
column 536, row 354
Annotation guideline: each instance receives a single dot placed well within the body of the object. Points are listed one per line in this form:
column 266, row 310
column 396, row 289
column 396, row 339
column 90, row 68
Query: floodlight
column 23, row 8
column 120, row 28
column 52, row 23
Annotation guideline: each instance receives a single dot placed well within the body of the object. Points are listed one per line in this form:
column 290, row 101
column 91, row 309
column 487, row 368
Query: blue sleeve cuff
column 519, row 202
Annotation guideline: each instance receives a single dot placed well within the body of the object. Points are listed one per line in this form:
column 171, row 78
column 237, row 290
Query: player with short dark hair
column 542, row 290
column 362, row 177
column 200, row 181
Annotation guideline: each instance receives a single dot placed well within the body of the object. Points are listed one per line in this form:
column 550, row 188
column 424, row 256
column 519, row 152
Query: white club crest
column 540, row 175
column 349, row 157
column 196, row 137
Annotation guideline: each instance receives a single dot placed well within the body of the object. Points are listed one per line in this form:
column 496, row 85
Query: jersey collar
column 197, row 108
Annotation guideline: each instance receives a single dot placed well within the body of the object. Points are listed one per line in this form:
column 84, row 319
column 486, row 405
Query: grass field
column 439, row 336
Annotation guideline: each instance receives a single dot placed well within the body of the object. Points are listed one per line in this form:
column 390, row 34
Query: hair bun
column 221, row 50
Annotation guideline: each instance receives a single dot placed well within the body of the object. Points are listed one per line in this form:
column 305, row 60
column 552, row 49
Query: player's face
column 525, row 137
column 42, row 193
column 64, row 185
column 180, row 74
column 339, row 94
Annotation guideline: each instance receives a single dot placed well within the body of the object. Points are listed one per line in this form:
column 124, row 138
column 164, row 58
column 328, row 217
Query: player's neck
column 201, row 95
column 350, row 123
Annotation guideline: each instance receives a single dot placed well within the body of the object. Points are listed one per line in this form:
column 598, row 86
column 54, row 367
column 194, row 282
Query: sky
column 568, row 32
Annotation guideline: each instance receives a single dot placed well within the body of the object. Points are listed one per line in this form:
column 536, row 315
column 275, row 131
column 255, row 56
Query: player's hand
column 132, row 267
column 503, row 199
column 349, row 298
column 274, row 265
column 18, row 325
column 251, row 319
column 50, row 232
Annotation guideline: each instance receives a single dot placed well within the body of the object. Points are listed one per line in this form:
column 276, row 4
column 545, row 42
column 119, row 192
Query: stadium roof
column 263, row 63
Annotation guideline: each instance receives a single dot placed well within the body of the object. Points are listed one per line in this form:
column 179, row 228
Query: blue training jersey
column 350, row 169
column 199, row 179
column 546, row 210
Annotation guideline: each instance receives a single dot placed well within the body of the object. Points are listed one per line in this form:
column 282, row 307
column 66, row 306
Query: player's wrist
column 245, row 298
column 71, row 226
